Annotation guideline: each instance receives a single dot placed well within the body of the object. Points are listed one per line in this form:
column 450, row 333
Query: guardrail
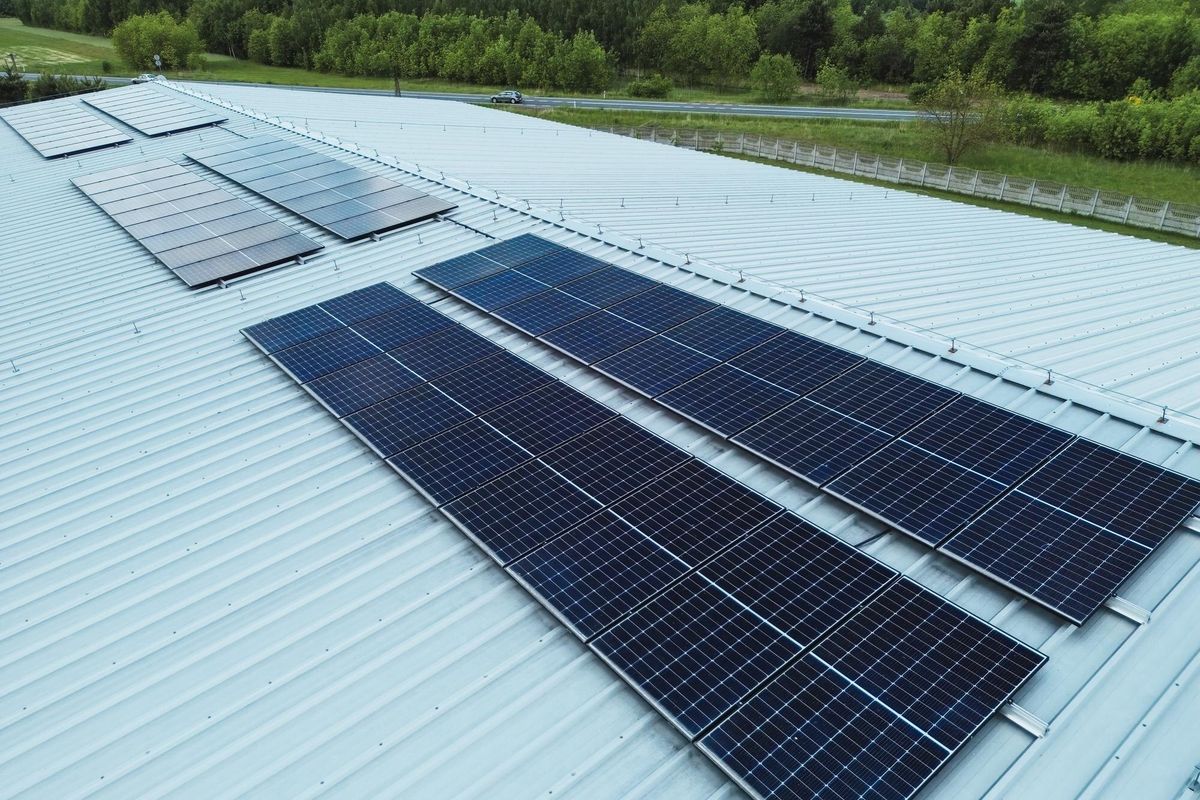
column 1141, row 212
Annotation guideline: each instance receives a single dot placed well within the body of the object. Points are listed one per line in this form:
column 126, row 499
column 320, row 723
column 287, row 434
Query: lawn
column 1152, row 179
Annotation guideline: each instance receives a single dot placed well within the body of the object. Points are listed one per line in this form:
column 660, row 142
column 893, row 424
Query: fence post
column 742, row 143
column 1163, row 219
column 833, row 166
column 876, row 173
column 1128, row 208
column 949, row 175
column 854, row 164
column 924, row 169
column 1095, row 202
column 1062, row 197
column 697, row 138
column 1004, row 186
column 974, row 183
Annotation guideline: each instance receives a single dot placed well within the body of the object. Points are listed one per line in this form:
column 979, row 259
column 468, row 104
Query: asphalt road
column 736, row 109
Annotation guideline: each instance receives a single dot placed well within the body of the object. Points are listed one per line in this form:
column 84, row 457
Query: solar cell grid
column 726, row 400
column 796, row 362
column 518, row 250
column 655, row 366
column 370, row 301
column 694, row 652
column 492, row 382
column 544, row 312
column 661, row 308
column 445, row 351
column 363, row 384
column 458, row 460
column 60, row 129
column 549, row 416
column 560, row 266
column 405, row 419
column 522, row 510
column 884, row 398
column 723, row 333
column 398, row 327
column 596, row 337
column 150, row 111
column 605, row 287
column 499, row 290
column 292, row 328
column 459, row 271
column 325, row 354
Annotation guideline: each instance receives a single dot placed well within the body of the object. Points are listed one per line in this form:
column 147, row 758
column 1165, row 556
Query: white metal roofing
column 208, row 588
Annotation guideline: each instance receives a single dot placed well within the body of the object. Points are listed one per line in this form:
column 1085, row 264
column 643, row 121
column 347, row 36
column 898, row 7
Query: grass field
column 1153, row 179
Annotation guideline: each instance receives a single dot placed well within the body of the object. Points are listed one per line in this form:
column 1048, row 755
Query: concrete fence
column 1125, row 209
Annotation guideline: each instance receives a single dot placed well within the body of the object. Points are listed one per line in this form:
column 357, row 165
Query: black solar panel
column 724, row 333
column 325, row 354
column 522, row 510
column 292, row 328
column 445, row 351
column 597, row 572
column 561, row 266
column 492, row 382
column 343, row 199
column 661, row 308
column 400, row 326
column 726, row 400
column 544, row 312
column 406, row 419
column 185, row 222
column 948, row 468
column 516, row 251
column 608, row 286
column 60, row 129
column 796, row 362
column 614, row 459
column 362, row 384
column 459, row 271
column 370, row 301
column 499, row 290
column 656, row 365
column 596, row 337
column 151, row 111
column 547, row 417
column 695, row 652
column 462, row 458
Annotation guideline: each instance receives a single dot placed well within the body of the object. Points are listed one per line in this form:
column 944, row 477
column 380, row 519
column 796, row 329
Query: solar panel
column 462, row 458
column 655, row 366
column 292, row 328
column 181, row 219
column 608, row 286
column 547, row 417
column 799, row 578
column 597, row 572
column 362, row 384
column 661, row 308
column 878, row 706
column 151, row 111
column 726, row 400
column 60, row 129
column 406, row 419
column 520, row 511
column 492, row 382
column 615, row 458
column 844, row 421
column 403, row 325
column 343, row 199
column 445, row 351
column 796, row 362
column 947, row 469
column 459, row 271
column 516, row 251
column 544, row 312
column 560, row 266
column 694, row 652
column 723, row 333
column 499, row 290
column 596, row 337
column 370, row 301
column 1073, row 531
column 325, row 354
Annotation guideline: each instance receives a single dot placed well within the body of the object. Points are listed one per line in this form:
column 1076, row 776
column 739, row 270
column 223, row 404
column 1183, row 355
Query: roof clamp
column 13, row 362
column 872, row 322
column 953, row 346
column 741, row 276
column 640, row 245
column 336, row 268
column 375, row 236
column 1193, row 784
column 1163, row 419
column 419, row 241
column 622, row 202
column 687, row 258
column 801, row 295
column 1049, row 378
column 528, row 205
column 241, row 296
column 135, row 328
column 494, row 218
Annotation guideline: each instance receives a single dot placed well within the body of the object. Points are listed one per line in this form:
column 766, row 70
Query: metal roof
column 207, row 588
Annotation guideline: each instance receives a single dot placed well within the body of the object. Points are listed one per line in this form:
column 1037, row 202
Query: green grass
column 1178, row 183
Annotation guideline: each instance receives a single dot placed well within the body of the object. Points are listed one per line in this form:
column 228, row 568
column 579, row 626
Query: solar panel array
column 151, row 112
column 941, row 467
column 345, row 200
column 750, row 629
column 199, row 231
column 61, row 129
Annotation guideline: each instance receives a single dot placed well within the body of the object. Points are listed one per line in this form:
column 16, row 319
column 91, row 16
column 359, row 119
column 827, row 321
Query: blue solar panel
column 366, row 303
column 461, row 459
column 695, row 511
column 796, row 363
column 522, row 510
column 544, row 312
column 499, row 290
column 614, row 459
column 518, row 250
column 661, row 308
column 597, row 572
column 656, row 365
column 324, row 354
column 492, row 382
column 445, row 351
column 695, row 652
column 292, row 329
column 724, row 333
column 799, row 578
column 544, row 419
column 726, row 400
column 609, row 286
column 561, row 266
column 407, row 418
column 363, row 384
column 948, row 468
column 595, row 337
column 459, row 271
column 403, row 325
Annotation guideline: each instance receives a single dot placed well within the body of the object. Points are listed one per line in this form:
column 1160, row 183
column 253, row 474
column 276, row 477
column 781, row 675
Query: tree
column 730, row 44
column 12, row 85
column 139, row 38
column 835, row 83
column 959, row 113
column 775, row 76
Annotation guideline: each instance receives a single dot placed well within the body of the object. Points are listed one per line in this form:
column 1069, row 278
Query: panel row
column 151, row 111
column 709, row 599
column 62, row 129
column 934, row 464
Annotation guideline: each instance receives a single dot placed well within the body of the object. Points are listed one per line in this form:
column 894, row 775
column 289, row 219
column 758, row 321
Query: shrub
column 197, row 62
column 139, row 38
column 835, row 83
column 658, row 86
column 775, row 76
column 106, row 67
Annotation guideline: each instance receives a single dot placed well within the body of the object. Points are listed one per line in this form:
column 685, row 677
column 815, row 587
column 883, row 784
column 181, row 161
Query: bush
column 917, row 92
column 106, row 67
column 139, row 38
column 48, row 86
column 835, row 83
column 197, row 62
column 658, row 86
column 775, row 76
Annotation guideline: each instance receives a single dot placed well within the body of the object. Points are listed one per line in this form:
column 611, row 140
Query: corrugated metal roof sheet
column 207, row 588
